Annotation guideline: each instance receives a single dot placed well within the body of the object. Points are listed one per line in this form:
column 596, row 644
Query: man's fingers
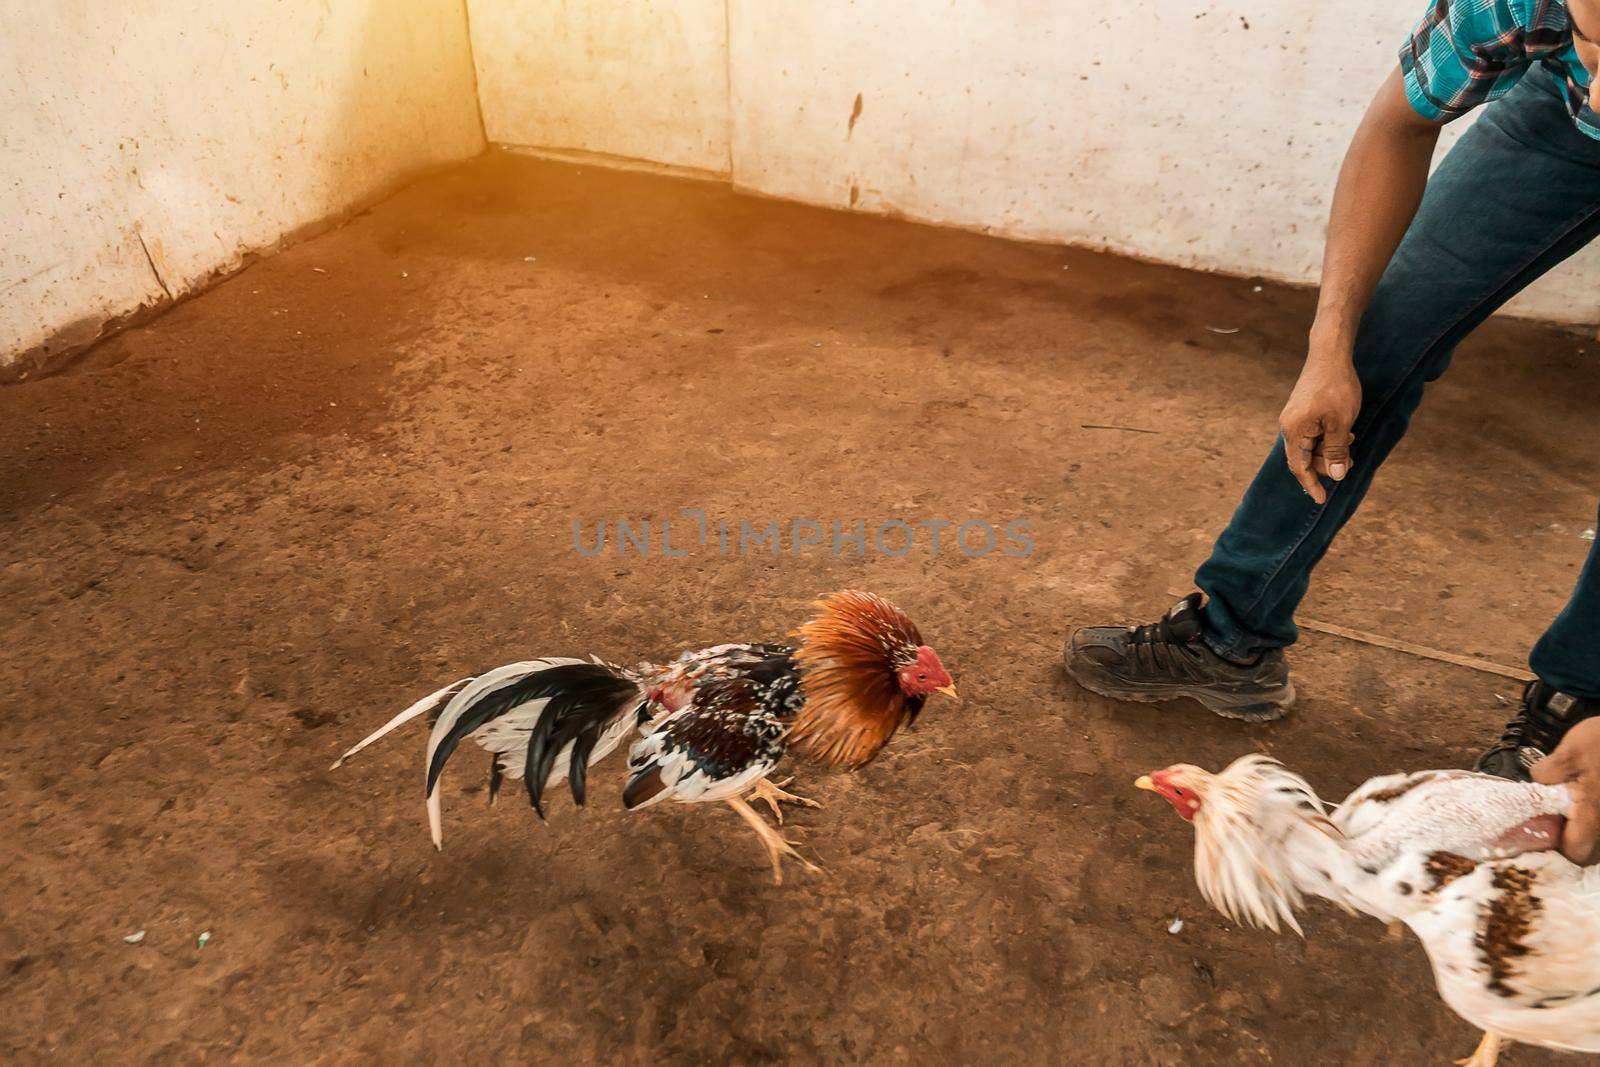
column 1576, row 763
column 1319, row 463
column 1560, row 766
column 1299, row 448
column 1580, row 841
column 1577, row 756
column 1333, row 454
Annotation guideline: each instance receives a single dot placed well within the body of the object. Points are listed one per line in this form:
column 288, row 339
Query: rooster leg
column 1488, row 1052
column 773, row 793
column 776, row 846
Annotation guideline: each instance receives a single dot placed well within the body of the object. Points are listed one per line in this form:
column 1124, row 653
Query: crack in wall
column 148, row 258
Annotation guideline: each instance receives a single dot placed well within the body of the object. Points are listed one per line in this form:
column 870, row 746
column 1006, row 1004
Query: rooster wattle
column 713, row 723
column 1512, row 929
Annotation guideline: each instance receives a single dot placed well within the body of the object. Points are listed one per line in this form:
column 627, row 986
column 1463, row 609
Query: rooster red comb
column 852, row 654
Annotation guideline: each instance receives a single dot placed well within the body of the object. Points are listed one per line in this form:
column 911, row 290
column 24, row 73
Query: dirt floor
column 238, row 538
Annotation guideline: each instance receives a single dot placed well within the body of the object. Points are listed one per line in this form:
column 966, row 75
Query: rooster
column 1512, row 928
column 712, row 724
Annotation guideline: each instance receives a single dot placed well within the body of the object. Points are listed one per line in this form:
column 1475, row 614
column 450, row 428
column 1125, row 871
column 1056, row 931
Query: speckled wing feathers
column 729, row 735
column 1513, row 936
column 1515, row 944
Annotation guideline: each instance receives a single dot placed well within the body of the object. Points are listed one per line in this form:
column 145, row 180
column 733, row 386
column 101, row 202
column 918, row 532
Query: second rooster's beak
column 949, row 691
column 1145, row 783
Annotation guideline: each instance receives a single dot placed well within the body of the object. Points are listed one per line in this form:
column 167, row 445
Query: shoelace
column 1153, row 633
column 1527, row 728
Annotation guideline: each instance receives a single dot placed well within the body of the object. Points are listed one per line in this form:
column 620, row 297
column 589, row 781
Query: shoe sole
column 1245, row 707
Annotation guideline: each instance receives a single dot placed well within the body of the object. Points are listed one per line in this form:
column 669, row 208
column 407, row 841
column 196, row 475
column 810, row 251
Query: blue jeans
column 1519, row 193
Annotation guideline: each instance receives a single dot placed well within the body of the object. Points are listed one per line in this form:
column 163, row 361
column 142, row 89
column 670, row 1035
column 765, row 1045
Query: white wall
column 1198, row 133
column 147, row 145
column 642, row 79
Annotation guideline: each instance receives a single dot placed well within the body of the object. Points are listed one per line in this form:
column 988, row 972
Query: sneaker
column 1167, row 659
column 1534, row 733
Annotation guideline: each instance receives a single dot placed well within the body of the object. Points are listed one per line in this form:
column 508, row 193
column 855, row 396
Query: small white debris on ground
column 1587, row 535
column 1175, row 926
column 135, row 937
column 1219, row 329
column 200, row 942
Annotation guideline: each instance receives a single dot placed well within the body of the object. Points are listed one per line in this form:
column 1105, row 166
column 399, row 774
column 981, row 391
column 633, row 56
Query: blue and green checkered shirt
column 1466, row 52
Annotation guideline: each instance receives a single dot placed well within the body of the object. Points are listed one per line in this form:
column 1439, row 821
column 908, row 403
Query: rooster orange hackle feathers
column 866, row 672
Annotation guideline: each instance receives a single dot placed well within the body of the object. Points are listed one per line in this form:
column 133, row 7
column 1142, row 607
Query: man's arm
column 1576, row 762
column 1380, row 186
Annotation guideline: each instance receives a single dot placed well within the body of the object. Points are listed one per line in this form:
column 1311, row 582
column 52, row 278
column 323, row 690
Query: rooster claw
column 782, row 848
column 1487, row 1053
column 773, row 794
column 776, row 844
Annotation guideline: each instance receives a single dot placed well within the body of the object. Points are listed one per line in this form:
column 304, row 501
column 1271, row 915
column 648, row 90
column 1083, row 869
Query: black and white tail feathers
column 543, row 720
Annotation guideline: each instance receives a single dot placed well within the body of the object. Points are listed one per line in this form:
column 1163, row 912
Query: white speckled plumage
column 1513, row 936
column 1450, row 811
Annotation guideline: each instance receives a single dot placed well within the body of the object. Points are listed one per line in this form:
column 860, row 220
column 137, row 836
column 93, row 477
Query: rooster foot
column 772, row 793
column 1487, row 1053
column 775, row 844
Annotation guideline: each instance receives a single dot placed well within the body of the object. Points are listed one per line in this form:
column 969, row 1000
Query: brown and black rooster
column 713, row 723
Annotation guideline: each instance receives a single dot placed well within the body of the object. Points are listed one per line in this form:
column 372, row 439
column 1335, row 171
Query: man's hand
column 1380, row 186
column 1576, row 762
column 1317, row 419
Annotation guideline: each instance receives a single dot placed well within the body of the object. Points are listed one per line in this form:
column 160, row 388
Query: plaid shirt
column 1466, row 52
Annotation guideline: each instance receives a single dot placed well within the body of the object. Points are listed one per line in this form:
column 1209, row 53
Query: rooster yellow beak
column 1145, row 783
column 949, row 691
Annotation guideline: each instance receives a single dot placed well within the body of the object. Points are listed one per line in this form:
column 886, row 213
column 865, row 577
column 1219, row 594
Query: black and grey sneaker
column 1167, row 659
column 1543, row 720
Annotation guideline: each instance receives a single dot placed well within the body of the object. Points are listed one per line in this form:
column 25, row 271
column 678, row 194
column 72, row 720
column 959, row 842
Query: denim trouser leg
column 1519, row 193
column 1568, row 655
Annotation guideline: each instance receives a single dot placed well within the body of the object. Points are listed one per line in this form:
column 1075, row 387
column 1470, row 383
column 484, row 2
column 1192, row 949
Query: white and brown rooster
column 1512, row 928
column 713, row 723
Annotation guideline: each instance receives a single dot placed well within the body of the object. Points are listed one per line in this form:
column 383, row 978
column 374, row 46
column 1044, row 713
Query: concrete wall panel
column 644, row 80
column 1192, row 132
column 1197, row 133
column 149, row 145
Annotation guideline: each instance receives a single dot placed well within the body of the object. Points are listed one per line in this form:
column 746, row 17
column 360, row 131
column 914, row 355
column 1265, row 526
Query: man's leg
column 1567, row 661
column 1519, row 193
column 1568, row 655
